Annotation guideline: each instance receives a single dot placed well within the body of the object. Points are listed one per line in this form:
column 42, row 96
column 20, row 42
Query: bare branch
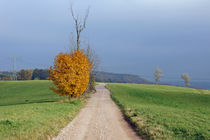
column 86, row 17
column 79, row 25
column 72, row 13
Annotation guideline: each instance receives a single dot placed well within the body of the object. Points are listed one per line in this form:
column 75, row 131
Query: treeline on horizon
column 43, row 74
column 32, row 74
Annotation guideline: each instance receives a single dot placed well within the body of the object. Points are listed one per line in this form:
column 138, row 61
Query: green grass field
column 30, row 110
column 164, row 112
column 24, row 92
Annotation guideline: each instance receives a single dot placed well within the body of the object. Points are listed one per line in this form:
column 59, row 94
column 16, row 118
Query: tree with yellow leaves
column 70, row 73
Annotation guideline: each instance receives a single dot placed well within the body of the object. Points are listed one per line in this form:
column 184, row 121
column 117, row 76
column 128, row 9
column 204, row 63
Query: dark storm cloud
column 129, row 36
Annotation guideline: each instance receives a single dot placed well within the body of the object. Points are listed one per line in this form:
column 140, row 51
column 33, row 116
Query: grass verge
column 164, row 112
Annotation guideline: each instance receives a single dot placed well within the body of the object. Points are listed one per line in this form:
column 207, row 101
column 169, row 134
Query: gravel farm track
column 100, row 119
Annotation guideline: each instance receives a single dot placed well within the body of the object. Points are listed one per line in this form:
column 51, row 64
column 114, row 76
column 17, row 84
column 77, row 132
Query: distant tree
column 186, row 79
column 25, row 75
column 41, row 74
column 158, row 74
column 70, row 73
column 36, row 74
column 1, row 75
column 5, row 78
column 44, row 74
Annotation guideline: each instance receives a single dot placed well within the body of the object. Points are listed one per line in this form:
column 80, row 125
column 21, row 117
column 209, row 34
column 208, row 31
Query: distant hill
column 119, row 78
column 5, row 73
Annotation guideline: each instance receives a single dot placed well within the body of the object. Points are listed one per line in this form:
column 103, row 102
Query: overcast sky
column 129, row 36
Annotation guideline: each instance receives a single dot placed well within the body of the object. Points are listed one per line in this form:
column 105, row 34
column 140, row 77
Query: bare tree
column 92, row 57
column 79, row 26
column 94, row 60
column 186, row 79
column 158, row 74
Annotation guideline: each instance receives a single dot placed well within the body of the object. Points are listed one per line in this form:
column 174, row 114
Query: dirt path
column 100, row 119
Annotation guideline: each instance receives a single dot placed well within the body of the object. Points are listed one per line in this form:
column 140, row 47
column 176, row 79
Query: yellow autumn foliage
column 70, row 73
